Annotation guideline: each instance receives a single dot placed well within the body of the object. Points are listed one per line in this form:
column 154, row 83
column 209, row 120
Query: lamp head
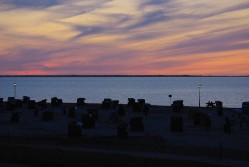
column 200, row 86
column 14, row 84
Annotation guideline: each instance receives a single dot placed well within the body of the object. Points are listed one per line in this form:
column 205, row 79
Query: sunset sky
column 166, row 37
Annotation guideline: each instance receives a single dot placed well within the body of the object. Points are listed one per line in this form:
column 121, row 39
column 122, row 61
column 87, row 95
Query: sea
column 232, row 91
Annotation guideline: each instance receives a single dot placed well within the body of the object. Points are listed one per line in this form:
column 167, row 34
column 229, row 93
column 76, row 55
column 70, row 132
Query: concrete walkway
column 180, row 157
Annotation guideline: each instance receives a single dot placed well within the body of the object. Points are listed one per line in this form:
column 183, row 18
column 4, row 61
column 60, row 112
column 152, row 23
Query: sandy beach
column 207, row 140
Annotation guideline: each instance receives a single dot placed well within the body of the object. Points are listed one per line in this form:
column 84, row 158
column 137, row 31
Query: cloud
column 32, row 3
column 150, row 19
column 85, row 31
column 237, row 7
column 205, row 43
column 155, row 2
column 126, row 37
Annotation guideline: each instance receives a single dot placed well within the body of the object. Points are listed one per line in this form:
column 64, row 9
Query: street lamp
column 199, row 86
column 170, row 98
column 14, row 90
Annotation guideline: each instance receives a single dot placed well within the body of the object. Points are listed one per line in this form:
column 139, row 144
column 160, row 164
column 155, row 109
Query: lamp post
column 170, row 98
column 199, row 86
column 14, row 90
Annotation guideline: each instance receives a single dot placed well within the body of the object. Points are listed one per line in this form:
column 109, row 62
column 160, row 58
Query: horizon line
column 106, row 75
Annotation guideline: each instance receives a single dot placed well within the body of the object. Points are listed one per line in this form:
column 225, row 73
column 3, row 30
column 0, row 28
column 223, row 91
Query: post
column 199, row 86
column 14, row 90
column 170, row 98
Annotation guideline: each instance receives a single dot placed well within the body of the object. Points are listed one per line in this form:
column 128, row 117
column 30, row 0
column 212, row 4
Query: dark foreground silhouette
column 50, row 157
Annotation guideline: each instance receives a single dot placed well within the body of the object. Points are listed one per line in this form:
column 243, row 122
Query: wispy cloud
column 33, row 4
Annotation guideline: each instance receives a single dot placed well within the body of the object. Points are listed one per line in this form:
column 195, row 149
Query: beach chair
column 176, row 124
column 245, row 107
column 106, row 103
column 141, row 101
column 74, row 130
column 88, row 121
column 122, row 131
column 93, row 112
column 47, row 116
column 115, row 103
column 121, row 110
column 31, row 104
column 136, row 124
column 219, row 108
column 131, row 101
column 137, row 107
column 25, row 99
column 177, row 106
column 71, row 112
column 42, row 103
column 81, row 101
column 15, row 117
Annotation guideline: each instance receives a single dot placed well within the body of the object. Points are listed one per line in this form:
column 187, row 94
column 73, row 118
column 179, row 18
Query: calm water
column 232, row 91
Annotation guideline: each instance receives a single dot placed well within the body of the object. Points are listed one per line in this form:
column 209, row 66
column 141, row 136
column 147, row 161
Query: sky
column 124, row 37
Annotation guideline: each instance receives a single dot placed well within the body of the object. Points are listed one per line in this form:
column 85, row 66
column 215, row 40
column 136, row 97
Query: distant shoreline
column 121, row 76
column 126, row 104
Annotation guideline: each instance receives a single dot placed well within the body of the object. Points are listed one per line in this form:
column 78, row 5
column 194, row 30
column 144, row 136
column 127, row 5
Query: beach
column 205, row 140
